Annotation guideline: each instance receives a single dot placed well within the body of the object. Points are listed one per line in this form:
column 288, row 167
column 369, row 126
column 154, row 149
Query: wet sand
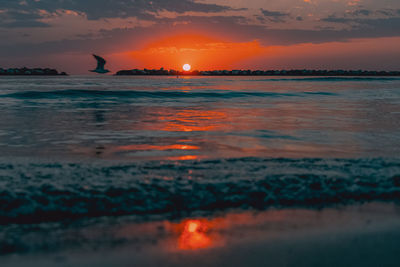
column 359, row 235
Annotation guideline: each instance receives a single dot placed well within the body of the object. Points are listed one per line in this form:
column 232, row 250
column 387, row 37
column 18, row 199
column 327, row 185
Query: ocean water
column 84, row 147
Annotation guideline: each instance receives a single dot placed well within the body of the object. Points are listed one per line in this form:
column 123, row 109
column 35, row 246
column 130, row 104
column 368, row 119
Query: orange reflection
column 194, row 236
column 144, row 147
column 230, row 230
column 281, row 121
column 187, row 157
column 194, row 120
column 202, row 233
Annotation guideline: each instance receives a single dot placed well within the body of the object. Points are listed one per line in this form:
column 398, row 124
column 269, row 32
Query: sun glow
column 202, row 51
column 186, row 67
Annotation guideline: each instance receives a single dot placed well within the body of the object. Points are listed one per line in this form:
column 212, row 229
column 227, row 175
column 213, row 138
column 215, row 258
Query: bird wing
column 100, row 62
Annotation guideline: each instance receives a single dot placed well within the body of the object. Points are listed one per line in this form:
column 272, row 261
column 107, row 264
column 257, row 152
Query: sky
column 208, row 34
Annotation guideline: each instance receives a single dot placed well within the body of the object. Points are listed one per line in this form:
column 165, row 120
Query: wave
column 331, row 79
column 140, row 94
column 34, row 192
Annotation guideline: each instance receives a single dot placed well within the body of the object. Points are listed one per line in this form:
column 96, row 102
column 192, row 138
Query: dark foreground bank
column 359, row 235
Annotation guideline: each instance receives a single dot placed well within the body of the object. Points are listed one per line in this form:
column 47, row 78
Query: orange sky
column 202, row 52
column 206, row 52
column 208, row 34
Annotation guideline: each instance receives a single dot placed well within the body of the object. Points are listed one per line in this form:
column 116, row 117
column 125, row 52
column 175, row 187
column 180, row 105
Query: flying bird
column 100, row 65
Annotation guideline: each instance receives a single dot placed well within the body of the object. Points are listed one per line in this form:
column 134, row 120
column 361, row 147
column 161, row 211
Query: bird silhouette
column 100, row 65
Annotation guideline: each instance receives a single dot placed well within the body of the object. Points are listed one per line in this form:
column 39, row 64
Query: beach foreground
column 199, row 171
column 357, row 235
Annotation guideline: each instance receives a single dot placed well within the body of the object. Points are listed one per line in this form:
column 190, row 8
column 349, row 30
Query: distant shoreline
column 161, row 72
column 31, row 72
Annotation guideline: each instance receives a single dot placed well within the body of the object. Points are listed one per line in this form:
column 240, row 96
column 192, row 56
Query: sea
column 79, row 149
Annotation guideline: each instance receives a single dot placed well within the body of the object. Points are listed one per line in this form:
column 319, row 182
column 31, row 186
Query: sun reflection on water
column 193, row 121
column 139, row 147
column 194, row 236
column 187, row 157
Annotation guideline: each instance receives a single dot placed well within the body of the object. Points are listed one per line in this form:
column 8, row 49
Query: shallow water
column 82, row 147
column 201, row 117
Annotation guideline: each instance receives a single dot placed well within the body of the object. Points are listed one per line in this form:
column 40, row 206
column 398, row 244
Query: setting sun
column 201, row 51
column 186, row 67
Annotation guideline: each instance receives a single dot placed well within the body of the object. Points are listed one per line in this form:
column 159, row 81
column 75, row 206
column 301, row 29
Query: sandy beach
column 357, row 235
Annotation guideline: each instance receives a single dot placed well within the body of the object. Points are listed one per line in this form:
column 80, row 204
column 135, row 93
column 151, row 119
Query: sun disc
column 186, row 67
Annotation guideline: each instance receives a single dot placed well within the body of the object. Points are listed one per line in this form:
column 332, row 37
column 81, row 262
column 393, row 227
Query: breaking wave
column 332, row 79
column 141, row 94
column 33, row 192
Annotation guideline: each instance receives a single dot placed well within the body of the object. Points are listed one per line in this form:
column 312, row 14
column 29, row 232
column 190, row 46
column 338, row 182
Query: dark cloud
column 203, row 20
column 388, row 12
column 25, row 24
column 362, row 16
column 98, row 9
column 364, row 12
column 235, row 28
column 367, row 19
column 230, row 27
column 274, row 16
column 21, row 19
column 335, row 19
